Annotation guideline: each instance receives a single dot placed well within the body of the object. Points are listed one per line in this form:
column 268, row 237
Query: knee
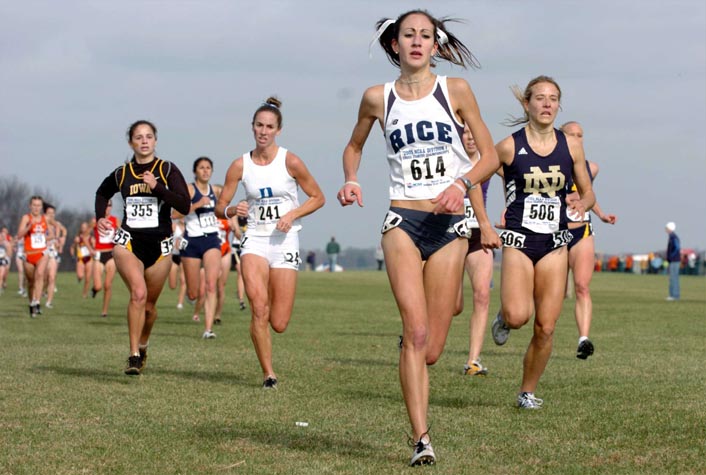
column 582, row 290
column 416, row 339
column 260, row 314
column 150, row 311
column 279, row 326
column 515, row 318
column 544, row 332
column 433, row 356
column 481, row 298
column 139, row 296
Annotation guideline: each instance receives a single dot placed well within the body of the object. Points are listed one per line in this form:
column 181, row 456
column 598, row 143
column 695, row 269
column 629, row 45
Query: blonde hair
column 525, row 96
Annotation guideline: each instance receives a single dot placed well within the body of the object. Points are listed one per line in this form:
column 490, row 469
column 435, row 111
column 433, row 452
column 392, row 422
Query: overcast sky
column 74, row 75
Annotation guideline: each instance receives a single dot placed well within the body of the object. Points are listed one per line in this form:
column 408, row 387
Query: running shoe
column 270, row 383
column 104, row 315
column 499, row 330
column 584, row 350
column 93, row 293
column 217, row 321
column 196, row 318
column 143, row 358
column 423, row 453
column 133, row 365
column 528, row 401
column 242, row 305
column 49, row 305
column 180, row 306
column 475, row 369
column 208, row 335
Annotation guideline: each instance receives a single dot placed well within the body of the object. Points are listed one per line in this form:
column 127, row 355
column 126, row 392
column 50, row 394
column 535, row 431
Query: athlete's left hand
column 285, row 223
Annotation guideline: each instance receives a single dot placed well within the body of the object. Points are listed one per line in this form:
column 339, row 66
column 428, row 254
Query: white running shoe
column 423, row 454
column 208, row 335
column 528, row 401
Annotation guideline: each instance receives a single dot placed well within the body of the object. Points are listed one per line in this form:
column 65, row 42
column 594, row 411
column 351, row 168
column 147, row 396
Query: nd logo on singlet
column 538, row 182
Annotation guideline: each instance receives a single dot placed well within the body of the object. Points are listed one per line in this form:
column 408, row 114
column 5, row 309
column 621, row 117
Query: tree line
column 14, row 203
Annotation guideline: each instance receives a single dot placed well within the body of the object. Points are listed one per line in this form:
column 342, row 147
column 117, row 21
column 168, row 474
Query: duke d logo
column 540, row 182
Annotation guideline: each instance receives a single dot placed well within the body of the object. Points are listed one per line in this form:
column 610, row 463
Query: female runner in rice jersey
column 422, row 116
column 150, row 188
column 271, row 176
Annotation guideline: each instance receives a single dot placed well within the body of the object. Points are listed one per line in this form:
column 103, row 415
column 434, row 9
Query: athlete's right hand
column 350, row 193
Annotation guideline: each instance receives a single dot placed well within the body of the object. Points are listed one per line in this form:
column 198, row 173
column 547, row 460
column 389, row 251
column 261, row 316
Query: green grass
column 636, row 406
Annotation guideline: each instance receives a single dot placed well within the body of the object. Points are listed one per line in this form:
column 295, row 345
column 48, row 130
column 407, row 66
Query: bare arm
column 371, row 109
column 233, row 177
column 465, row 106
column 581, row 178
column 489, row 238
column 24, row 227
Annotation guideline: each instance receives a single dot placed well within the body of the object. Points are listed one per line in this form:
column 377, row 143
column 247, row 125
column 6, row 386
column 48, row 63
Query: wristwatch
column 467, row 183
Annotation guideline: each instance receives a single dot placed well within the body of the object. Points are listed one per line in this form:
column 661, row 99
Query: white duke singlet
column 271, row 193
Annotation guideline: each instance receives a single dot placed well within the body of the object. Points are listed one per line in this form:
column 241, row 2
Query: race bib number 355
column 142, row 212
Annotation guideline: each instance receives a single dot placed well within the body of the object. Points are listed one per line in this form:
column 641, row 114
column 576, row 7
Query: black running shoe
column 32, row 313
column 217, row 321
column 93, row 293
column 270, row 383
column 242, row 305
column 133, row 365
column 584, row 350
column 143, row 358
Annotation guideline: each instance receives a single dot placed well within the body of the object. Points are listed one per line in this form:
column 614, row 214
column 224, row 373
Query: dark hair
column 131, row 130
column 49, row 206
column 451, row 49
column 201, row 159
column 272, row 104
column 36, row 197
column 525, row 96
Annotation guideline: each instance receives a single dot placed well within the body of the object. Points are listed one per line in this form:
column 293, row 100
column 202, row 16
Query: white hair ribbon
column 441, row 37
column 378, row 34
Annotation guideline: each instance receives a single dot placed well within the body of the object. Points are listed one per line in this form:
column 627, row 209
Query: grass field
column 636, row 406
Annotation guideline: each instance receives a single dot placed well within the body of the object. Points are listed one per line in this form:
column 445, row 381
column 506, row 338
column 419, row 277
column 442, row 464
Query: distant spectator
column 379, row 256
column 674, row 259
column 311, row 260
column 332, row 249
